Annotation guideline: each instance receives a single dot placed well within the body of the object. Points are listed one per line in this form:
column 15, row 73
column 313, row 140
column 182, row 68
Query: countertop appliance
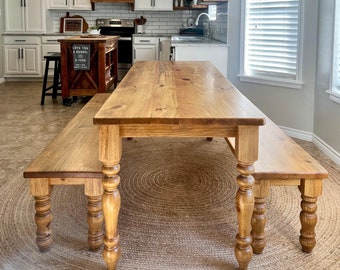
column 124, row 28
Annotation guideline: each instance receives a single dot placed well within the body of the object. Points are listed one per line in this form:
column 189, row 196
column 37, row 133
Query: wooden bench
column 282, row 162
column 70, row 159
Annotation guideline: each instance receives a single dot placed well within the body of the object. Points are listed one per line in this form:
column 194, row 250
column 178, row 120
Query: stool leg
column 42, row 102
column 55, row 79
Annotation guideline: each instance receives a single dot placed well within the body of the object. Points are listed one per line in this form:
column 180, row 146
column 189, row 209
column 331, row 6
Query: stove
column 124, row 28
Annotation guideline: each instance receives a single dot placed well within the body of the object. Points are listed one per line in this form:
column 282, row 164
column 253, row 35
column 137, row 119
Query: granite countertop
column 178, row 40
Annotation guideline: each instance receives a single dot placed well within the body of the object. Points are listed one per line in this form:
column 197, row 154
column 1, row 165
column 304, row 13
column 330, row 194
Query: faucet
column 207, row 34
column 199, row 16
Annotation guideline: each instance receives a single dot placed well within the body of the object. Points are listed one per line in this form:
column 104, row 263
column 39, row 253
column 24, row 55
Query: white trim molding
column 308, row 136
column 2, row 80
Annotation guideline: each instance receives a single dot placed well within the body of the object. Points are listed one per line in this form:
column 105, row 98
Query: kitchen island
column 88, row 65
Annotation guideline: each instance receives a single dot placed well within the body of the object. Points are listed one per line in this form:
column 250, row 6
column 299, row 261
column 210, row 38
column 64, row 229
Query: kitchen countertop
column 152, row 35
column 199, row 42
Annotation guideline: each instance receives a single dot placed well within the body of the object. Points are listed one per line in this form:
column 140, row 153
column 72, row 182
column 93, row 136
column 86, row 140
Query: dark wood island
column 88, row 65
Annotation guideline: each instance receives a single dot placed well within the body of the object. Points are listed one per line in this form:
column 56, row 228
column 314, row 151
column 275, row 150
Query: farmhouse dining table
column 177, row 99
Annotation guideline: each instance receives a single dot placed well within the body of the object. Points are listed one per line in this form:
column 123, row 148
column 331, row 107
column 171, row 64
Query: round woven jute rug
column 177, row 212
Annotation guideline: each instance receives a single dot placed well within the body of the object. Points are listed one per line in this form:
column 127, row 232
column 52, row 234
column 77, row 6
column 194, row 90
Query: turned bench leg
column 95, row 217
column 258, row 221
column 41, row 190
column 310, row 189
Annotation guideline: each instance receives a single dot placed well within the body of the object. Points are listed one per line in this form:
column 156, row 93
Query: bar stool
column 56, row 85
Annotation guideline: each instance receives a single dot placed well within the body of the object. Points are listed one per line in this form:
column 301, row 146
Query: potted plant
column 93, row 30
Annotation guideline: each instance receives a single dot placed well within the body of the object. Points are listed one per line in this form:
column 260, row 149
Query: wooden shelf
column 191, row 7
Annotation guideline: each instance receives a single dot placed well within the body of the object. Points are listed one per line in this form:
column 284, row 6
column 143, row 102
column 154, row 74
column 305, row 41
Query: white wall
column 305, row 111
column 287, row 107
column 327, row 112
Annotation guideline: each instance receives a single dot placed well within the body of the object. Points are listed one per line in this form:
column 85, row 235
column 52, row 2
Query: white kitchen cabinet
column 164, row 48
column 24, row 15
column 49, row 45
column 22, row 56
column 145, row 48
column 154, row 5
column 216, row 54
column 70, row 4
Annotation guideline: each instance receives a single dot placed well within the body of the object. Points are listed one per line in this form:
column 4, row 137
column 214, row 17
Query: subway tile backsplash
column 157, row 22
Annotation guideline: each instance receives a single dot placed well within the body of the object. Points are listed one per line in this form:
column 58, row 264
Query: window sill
column 333, row 96
column 271, row 81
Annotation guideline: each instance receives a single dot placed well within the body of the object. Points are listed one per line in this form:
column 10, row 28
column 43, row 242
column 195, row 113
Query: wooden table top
column 169, row 92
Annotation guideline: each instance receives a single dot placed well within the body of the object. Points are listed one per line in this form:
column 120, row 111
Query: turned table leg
column 41, row 190
column 258, row 221
column 95, row 217
column 110, row 149
column 310, row 189
column 246, row 152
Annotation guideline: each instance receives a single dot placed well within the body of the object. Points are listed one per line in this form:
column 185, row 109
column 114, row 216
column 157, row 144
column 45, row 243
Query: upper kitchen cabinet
column 25, row 15
column 154, row 5
column 70, row 4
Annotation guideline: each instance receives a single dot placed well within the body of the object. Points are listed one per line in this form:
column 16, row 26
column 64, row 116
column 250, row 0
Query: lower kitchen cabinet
column 145, row 48
column 216, row 54
column 22, row 56
column 49, row 45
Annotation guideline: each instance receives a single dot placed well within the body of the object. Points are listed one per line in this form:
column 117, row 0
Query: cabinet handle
column 19, row 54
column 24, row 3
column 144, row 40
column 74, row 3
column 66, row 3
column 20, row 40
column 22, row 53
column 134, row 54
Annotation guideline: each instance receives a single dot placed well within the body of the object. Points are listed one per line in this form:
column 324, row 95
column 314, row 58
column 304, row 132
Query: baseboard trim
column 298, row 134
column 308, row 136
column 2, row 80
column 329, row 151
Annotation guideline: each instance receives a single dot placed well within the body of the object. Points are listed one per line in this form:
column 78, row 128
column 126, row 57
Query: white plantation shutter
column 272, row 38
column 336, row 52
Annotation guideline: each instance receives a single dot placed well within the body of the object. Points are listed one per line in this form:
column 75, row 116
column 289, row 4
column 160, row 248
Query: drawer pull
column 20, row 40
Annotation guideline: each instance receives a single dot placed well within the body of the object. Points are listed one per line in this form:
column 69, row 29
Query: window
column 271, row 42
column 334, row 92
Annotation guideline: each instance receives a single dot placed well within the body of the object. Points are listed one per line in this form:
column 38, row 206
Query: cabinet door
column 81, row 4
column 70, row 4
column 163, row 5
column 145, row 52
column 14, row 19
column 62, row 4
column 24, row 15
column 31, row 59
column 155, row 5
column 12, row 55
column 34, row 15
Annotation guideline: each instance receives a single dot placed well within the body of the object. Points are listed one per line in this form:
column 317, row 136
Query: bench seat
column 282, row 162
column 70, row 159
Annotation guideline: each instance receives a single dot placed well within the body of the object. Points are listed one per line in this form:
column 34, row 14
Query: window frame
column 294, row 84
column 333, row 94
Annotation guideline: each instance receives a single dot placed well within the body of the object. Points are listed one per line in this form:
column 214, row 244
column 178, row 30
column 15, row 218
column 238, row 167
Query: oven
column 124, row 28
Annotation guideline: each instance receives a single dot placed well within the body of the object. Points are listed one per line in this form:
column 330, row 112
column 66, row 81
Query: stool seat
column 56, row 85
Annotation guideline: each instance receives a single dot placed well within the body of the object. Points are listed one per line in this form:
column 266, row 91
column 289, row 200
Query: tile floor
column 26, row 127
